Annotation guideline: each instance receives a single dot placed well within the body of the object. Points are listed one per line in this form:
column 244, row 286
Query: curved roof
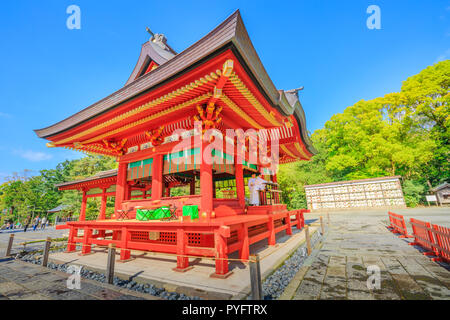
column 232, row 33
column 156, row 50
column 97, row 176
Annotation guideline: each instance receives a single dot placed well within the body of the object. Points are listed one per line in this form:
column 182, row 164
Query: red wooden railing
column 433, row 238
column 398, row 225
column 423, row 236
column 200, row 238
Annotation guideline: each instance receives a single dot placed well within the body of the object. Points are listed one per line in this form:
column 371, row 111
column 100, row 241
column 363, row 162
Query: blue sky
column 50, row 72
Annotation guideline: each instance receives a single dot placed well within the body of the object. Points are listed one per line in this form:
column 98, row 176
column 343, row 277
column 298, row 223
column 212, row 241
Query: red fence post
column 443, row 243
column 302, row 218
column 398, row 225
column 86, row 249
column 71, row 246
column 271, row 228
column 243, row 238
column 423, row 236
column 125, row 253
column 297, row 217
column 221, row 248
column 289, row 224
column 182, row 242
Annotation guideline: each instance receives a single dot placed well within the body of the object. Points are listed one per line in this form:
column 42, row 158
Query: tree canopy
column 22, row 196
column 404, row 133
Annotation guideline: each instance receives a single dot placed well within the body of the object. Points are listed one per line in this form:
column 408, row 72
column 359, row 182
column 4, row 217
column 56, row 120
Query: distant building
column 442, row 193
column 58, row 209
column 385, row 192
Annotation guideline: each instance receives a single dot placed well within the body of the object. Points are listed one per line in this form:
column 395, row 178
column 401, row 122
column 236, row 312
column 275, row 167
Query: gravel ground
column 274, row 285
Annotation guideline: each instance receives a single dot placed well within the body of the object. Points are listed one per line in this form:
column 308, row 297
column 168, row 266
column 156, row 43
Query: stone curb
column 290, row 291
column 170, row 287
column 247, row 290
column 292, row 287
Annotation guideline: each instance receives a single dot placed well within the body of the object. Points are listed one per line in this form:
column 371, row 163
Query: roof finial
column 295, row 90
column 150, row 31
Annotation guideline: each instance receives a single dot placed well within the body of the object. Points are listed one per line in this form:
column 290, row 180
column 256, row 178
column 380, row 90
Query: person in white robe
column 255, row 184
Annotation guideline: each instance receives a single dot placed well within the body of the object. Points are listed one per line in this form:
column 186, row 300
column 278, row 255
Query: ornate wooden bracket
column 118, row 147
column 155, row 136
column 208, row 116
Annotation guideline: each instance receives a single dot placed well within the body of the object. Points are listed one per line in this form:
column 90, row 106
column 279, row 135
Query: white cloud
column 444, row 56
column 34, row 156
column 3, row 176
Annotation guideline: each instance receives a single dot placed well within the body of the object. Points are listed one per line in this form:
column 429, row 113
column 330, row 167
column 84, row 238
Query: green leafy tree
column 80, row 169
column 404, row 133
column 292, row 177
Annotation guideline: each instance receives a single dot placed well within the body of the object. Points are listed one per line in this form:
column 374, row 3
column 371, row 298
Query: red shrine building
column 191, row 99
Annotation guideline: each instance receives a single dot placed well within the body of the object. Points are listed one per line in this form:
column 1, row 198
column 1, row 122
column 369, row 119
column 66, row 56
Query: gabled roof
column 231, row 33
column 156, row 50
column 97, row 176
column 441, row 186
column 58, row 208
column 100, row 177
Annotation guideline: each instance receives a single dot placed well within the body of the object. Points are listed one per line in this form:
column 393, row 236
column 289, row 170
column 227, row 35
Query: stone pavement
column 25, row 281
column 337, row 268
column 30, row 235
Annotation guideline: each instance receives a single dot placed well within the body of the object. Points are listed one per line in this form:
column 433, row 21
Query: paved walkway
column 26, row 281
column 337, row 269
column 30, row 235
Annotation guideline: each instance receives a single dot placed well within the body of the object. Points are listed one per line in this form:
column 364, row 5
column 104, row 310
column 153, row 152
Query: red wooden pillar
column 128, row 193
column 71, row 246
column 206, row 181
column 86, row 248
column 221, row 248
column 121, row 186
column 115, row 235
column 182, row 242
column 276, row 195
column 192, row 187
column 167, row 191
column 271, row 228
column 102, row 215
column 244, row 252
column 157, row 177
column 302, row 224
column 240, row 187
column 103, row 206
column 125, row 253
column 83, row 207
column 144, row 193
